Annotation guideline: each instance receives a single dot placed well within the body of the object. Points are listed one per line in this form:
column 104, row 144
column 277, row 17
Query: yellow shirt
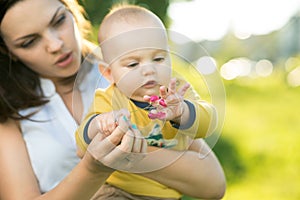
column 112, row 99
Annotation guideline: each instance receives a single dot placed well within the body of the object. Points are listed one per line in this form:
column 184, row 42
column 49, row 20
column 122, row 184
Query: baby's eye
column 132, row 64
column 159, row 59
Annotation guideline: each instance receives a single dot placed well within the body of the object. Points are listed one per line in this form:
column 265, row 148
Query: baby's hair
column 128, row 13
column 125, row 9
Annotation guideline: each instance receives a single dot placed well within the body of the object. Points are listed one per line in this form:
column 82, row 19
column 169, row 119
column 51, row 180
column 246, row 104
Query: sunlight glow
column 211, row 20
column 292, row 63
column 236, row 68
column 293, row 77
column 244, row 67
column 207, row 65
column 264, row 68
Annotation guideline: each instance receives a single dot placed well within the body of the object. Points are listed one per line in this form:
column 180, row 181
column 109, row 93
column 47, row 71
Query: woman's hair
column 20, row 86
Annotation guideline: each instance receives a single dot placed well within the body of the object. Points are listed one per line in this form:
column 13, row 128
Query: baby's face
column 138, row 58
column 141, row 72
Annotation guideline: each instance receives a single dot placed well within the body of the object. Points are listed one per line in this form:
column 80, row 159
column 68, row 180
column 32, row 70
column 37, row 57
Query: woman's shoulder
column 9, row 131
column 9, row 124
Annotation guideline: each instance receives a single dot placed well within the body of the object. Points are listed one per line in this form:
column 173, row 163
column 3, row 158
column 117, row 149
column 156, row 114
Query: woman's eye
column 159, row 59
column 27, row 43
column 60, row 20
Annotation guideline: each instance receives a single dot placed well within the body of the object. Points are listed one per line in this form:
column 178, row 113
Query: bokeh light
column 293, row 77
column 291, row 63
column 236, row 68
column 206, row 65
column 264, row 68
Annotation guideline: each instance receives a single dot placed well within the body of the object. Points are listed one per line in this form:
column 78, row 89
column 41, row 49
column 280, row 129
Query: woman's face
column 43, row 35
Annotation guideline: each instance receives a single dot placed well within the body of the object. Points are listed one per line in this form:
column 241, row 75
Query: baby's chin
column 141, row 98
column 139, row 95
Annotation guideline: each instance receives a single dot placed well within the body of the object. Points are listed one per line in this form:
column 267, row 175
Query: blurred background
column 255, row 45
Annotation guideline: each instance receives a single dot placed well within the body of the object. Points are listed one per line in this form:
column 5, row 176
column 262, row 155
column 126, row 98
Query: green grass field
column 259, row 145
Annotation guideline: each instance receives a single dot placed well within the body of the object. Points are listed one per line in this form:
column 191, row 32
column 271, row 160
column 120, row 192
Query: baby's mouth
column 150, row 84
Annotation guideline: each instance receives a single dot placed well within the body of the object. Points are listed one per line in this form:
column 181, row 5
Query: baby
column 134, row 46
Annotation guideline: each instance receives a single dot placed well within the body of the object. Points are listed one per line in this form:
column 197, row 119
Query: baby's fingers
column 164, row 91
column 120, row 113
column 172, row 86
column 183, row 89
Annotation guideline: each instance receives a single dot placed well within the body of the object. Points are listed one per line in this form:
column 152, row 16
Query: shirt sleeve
column 203, row 117
column 101, row 104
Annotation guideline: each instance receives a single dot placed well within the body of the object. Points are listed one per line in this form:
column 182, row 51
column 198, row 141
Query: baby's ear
column 105, row 70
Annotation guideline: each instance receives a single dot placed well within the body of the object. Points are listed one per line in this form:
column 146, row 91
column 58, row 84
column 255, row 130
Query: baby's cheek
column 164, row 71
column 129, row 84
column 164, row 76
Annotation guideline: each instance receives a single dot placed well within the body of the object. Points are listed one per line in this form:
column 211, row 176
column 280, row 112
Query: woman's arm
column 18, row 181
column 193, row 174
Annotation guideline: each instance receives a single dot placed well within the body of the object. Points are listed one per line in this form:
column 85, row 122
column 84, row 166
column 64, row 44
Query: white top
column 51, row 141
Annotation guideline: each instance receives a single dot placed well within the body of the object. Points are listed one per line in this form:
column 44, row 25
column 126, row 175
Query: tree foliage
column 97, row 9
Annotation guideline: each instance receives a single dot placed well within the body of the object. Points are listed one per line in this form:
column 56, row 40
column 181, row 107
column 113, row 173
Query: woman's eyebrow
column 55, row 14
column 51, row 21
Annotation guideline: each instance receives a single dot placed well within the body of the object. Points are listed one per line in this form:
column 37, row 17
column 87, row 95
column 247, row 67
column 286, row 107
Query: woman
column 42, row 43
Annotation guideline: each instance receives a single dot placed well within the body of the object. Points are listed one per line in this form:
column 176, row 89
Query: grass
column 258, row 147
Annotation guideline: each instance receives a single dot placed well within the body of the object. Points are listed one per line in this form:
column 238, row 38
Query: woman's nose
column 54, row 42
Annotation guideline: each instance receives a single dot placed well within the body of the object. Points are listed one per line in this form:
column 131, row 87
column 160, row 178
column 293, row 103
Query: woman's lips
column 64, row 60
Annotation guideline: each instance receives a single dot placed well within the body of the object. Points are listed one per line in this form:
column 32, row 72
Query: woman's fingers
column 116, row 136
column 100, row 147
column 133, row 141
column 139, row 143
column 127, row 142
column 124, row 156
column 120, row 150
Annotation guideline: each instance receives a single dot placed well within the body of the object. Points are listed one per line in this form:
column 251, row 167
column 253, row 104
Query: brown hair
column 20, row 86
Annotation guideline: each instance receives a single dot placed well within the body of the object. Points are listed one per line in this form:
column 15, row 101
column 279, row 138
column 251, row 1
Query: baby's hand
column 106, row 123
column 171, row 104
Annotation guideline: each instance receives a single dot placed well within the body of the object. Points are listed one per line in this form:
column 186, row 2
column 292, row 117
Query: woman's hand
column 120, row 150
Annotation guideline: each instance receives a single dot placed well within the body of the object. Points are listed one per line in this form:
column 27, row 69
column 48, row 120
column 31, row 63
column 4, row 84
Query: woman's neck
column 71, row 97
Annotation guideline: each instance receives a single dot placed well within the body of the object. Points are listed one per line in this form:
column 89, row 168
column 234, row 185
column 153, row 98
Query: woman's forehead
column 26, row 17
